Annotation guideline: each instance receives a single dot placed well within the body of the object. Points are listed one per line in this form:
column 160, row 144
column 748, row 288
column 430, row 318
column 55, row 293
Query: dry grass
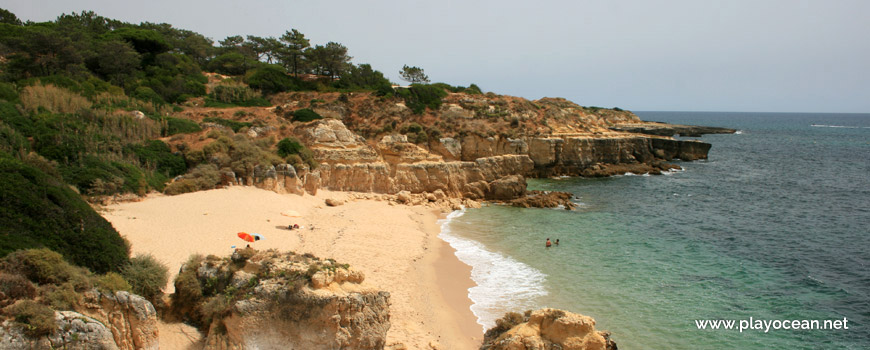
column 52, row 99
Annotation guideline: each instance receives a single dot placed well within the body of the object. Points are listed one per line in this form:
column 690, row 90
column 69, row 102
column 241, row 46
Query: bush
column 288, row 146
column 146, row 276
column 419, row 97
column 203, row 177
column 145, row 93
column 38, row 210
column 188, row 291
column 305, row 115
column 38, row 319
column 174, row 126
column 159, row 156
column 113, row 282
column 232, row 124
column 39, row 265
column 231, row 94
column 15, row 287
column 63, row 297
column 272, row 79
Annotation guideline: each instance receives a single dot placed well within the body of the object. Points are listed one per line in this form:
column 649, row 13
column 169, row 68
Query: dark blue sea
column 775, row 225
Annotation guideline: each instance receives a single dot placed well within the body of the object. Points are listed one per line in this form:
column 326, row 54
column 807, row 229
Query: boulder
column 333, row 202
column 546, row 329
column 506, row 188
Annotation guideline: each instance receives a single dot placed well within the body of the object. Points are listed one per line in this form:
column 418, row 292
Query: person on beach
column 549, row 243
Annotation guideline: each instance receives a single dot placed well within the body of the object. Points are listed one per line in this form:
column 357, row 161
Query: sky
column 672, row 55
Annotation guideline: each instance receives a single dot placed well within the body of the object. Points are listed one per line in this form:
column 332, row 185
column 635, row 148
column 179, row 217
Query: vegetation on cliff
column 207, row 289
column 36, row 282
column 39, row 210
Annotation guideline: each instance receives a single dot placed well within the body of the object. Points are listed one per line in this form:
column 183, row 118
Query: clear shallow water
column 775, row 225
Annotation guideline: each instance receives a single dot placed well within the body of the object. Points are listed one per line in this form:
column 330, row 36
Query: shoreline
column 397, row 247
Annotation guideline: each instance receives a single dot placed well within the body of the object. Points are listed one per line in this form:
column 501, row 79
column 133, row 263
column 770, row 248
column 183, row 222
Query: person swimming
column 549, row 243
column 557, row 241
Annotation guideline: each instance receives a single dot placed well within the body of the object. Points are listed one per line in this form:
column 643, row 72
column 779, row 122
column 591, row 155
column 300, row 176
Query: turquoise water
column 775, row 225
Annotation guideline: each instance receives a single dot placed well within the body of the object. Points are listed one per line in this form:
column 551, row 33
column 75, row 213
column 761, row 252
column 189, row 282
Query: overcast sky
column 755, row 55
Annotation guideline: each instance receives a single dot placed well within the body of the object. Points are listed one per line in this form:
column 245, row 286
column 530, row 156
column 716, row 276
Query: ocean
column 775, row 225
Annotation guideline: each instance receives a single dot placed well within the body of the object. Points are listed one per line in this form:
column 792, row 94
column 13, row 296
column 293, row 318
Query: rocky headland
column 472, row 147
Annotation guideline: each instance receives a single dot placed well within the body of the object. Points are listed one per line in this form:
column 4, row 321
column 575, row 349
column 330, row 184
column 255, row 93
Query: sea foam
column 502, row 283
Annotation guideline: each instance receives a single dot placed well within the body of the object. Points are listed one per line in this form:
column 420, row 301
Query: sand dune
column 396, row 246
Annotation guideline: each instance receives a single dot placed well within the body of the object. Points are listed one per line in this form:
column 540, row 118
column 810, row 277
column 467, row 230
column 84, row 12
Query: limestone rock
column 283, row 310
column 138, row 115
column 506, row 188
column 333, row 202
column 544, row 199
column 74, row 331
column 546, row 329
column 132, row 319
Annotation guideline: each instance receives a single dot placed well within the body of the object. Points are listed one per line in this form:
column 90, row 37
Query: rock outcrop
column 466, row 144
column 544, row 199
column 467, row 167
column 546, row 329
column 272, row 300
column 662, row 129
column 74, row 331
column 131, row 319
column 119, row 321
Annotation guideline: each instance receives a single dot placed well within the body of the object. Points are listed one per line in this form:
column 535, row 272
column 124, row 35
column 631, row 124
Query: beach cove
column 396, row 246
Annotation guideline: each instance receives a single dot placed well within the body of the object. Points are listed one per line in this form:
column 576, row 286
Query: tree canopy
column 414, row 75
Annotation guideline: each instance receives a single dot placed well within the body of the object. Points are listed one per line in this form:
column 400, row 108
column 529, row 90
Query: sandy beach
column 396, row 246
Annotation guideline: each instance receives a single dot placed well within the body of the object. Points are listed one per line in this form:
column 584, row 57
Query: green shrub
column 174, row 126
column 63, row 297
column 272, row 79
column 38, row 319
column 113, row 282
column 38, row 210
column 419, row 97
column 146, row 276
column 159, row 156
column 288, row 146
column 145, row 93
column 188, row 290
column 39, row 265
column 305, row 115
column 8, row 92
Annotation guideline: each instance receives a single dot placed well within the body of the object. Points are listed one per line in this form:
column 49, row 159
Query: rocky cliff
column 376, row 144
column 546, row 329
column 272, row 300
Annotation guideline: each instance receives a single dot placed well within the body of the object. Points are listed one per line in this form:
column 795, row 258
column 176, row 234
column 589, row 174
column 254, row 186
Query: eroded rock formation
column 467, row 145
column 272, row 300
column 121, row 321
column 546, row 329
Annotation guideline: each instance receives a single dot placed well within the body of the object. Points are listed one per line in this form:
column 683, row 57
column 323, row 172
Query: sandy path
column 396, row 246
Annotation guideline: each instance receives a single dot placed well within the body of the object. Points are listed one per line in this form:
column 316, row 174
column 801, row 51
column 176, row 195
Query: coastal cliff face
column 546, row 329
column 272, row 300
column 378, row 145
